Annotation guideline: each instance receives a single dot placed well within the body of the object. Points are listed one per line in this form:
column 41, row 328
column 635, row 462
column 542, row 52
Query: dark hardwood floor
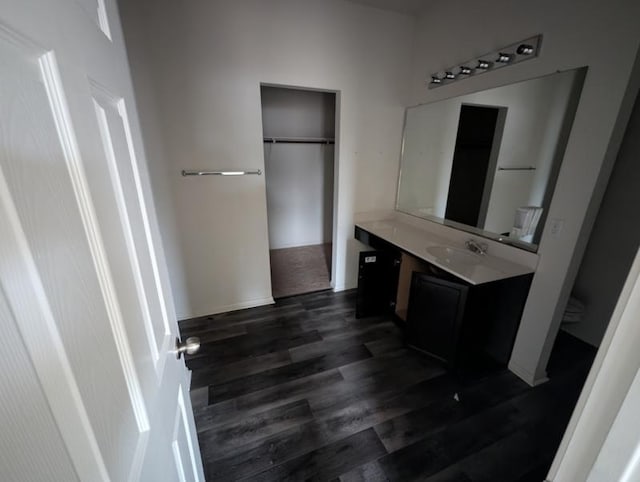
column 301, row 390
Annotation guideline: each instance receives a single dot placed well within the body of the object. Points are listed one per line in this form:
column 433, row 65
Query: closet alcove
column 299, row 139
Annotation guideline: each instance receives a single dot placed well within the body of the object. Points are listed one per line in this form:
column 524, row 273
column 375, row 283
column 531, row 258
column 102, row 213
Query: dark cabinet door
column 378, row 273
column 434, row 319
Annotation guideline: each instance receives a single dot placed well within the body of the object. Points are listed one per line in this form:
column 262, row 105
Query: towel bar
column 256, row 172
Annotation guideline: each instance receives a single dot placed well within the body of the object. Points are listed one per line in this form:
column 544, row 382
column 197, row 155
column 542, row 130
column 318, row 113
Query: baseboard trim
column 527, row 376
column 243, row 305
column 343, row 287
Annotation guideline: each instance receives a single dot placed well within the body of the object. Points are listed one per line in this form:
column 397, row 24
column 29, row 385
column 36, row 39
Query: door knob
column 190, row 346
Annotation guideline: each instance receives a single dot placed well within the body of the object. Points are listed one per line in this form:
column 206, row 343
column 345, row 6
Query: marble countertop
column 482, row 268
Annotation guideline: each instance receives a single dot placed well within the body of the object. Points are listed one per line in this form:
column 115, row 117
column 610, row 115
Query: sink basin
column 454, row 256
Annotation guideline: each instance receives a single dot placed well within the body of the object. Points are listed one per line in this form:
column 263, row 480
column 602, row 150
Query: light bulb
column 524, row 49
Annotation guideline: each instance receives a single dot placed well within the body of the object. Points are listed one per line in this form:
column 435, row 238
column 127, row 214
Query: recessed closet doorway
column 299, row 139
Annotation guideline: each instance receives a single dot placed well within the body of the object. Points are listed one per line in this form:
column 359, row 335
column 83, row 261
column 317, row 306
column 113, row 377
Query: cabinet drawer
column 375, row 242
column 435, row 272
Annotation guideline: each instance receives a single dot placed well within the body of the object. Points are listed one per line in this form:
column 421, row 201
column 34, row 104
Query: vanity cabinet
column 378, row 273
column 469, row 327
column 377, row 283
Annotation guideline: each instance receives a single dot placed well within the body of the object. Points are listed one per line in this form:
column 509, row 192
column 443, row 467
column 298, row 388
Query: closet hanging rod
column 529, row 168
column 300, row 140
column 256, row 172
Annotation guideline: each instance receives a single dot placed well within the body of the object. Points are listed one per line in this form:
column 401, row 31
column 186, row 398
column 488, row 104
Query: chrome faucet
column 476, row 246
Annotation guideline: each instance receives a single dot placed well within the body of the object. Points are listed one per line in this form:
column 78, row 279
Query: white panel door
column 91, row 388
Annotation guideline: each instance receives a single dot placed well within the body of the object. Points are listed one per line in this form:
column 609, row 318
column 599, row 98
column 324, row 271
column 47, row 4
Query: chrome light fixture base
column 517, row 52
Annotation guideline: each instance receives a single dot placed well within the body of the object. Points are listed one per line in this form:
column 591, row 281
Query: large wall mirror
column 487, row 162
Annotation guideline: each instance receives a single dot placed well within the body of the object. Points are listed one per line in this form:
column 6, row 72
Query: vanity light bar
column 511, row 54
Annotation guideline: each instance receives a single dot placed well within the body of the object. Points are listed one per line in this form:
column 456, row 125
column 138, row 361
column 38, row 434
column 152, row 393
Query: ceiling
column 409, row 7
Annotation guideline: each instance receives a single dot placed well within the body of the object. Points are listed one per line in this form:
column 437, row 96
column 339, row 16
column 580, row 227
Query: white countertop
column 417, row 241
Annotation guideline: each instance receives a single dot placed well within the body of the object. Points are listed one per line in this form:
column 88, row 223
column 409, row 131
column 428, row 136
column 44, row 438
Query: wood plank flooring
column 301, row 390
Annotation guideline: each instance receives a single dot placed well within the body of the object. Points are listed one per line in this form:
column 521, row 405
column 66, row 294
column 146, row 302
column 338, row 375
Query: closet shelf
column 299, row 140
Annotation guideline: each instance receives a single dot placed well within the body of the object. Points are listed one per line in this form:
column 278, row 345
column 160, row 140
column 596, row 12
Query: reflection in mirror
column 488, row 162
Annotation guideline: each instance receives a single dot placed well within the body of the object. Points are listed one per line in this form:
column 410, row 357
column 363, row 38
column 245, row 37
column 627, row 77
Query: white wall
column 298, row 177
column 207, row 59
column 602, row 35
column 299, row 183
column 297, row 113
column 614, row 241
column 159, row 172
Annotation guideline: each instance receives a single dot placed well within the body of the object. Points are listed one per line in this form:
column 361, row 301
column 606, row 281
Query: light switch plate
column 555, row 227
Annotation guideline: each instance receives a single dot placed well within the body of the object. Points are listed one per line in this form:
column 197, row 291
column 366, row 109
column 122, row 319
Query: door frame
column 610, row 379
column 336, row 166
